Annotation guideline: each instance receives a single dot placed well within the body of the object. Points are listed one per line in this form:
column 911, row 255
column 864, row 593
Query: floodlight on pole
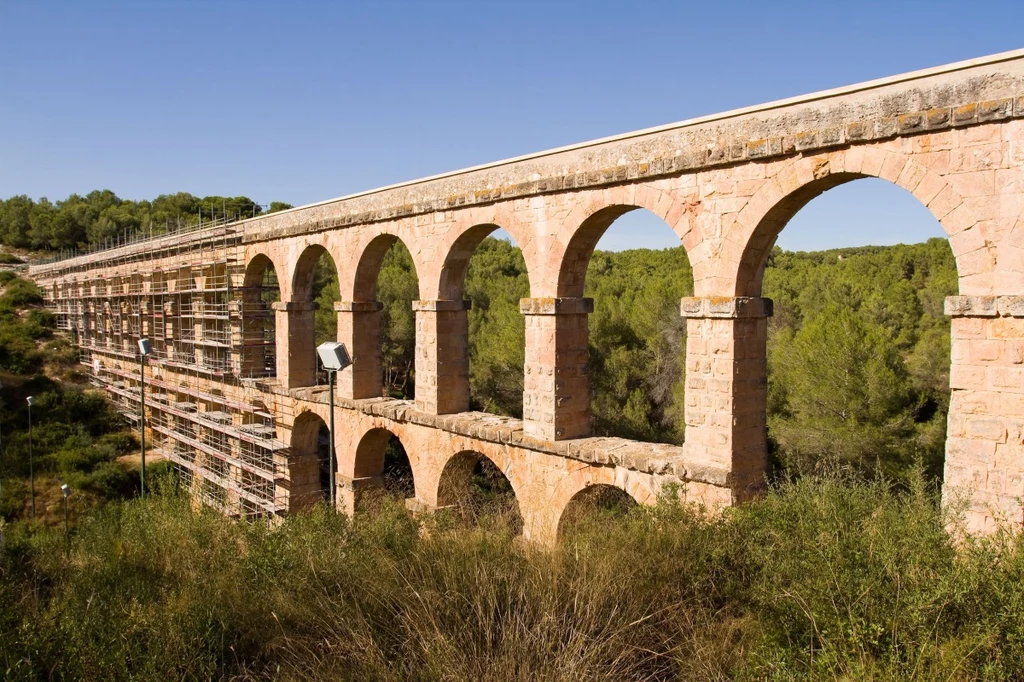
column 334, row 357
column 66, row 492
column 145, row 348
column 31, row 468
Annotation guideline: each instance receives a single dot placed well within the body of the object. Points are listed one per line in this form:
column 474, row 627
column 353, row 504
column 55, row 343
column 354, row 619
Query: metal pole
column 142, row 416
column 66, row 536
column 333, row 493
column 31, row 470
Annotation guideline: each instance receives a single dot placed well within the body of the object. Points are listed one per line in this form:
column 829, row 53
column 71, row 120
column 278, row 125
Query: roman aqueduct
column 234, row 409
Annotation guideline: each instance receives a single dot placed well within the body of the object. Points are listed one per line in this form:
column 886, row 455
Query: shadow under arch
column 309, row 464
column 474, row 486
column 594, row 504
column 381, row 457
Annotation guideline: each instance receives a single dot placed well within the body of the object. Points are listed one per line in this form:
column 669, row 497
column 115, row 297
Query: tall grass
column 834, row 577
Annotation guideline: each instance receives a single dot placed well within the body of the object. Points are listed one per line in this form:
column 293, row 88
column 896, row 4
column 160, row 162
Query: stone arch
column 600, row 497
column 764, row 216
column 543, row 523
column 305, row 266
column 452, row 279
column 306, row 465
column 566, row 321
column 590, row 221
column 474, row 484
column 736, row 268
column 371, row 257
column 455, row 362
column 372, row 463
column 255, row 267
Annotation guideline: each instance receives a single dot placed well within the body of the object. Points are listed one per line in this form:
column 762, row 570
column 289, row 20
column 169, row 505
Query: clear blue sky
column 306, row 101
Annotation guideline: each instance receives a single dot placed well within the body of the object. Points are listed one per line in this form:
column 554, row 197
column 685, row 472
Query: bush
column 828, row 578
column 112, row 480
column 20, row 293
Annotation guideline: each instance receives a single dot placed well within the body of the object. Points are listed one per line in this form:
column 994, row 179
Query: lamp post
column 334, row 357
column 145, row 348
column 66, row 492
column 31, row 469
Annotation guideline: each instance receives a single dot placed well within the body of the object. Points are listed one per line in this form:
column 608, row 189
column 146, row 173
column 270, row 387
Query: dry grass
column 832, row 578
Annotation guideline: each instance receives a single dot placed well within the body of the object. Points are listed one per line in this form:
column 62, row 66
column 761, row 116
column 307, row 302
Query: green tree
column 846, row 394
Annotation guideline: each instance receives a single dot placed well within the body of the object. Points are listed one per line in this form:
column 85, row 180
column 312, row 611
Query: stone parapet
column 725, row 308
column 984, row 306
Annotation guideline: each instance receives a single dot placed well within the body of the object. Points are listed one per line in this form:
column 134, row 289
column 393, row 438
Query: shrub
column 20, row 293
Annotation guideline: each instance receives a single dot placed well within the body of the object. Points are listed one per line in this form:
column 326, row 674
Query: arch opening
column 309, row 470
column 490, row 272
column 858, row 348
column 593, row 507
column 316, row 281
column 260, row 289
column 637, row 339
column 381, row 457
column 479, row 493
column 386, row 273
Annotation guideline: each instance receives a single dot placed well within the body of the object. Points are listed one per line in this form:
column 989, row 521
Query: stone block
column 996, row 109
column 970, row 306
column 911, row 122
column 1010, row 306
column 987, row 429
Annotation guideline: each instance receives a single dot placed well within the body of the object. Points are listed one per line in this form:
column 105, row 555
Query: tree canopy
column 78, row 222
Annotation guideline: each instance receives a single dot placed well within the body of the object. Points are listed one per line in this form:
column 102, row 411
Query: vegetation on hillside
column 76, row 438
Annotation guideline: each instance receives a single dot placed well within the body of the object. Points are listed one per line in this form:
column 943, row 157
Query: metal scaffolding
column 209, row 332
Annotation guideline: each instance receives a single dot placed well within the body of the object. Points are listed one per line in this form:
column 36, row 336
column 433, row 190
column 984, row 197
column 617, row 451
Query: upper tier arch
column 793, row 185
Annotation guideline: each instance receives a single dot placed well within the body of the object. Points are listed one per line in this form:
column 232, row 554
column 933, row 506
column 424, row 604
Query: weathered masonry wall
column 727, row 185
